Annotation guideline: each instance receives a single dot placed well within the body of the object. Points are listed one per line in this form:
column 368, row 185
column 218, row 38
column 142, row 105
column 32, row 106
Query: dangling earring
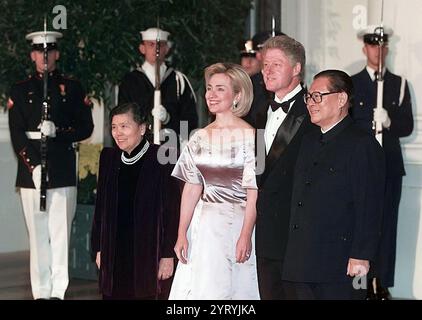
column 234, row 105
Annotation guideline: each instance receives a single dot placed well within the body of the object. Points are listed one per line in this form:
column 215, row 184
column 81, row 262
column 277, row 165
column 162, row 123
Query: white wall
column 13, row 235
column 327, row 30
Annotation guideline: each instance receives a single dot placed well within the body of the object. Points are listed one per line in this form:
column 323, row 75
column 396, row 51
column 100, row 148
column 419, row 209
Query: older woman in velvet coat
column 136, row 214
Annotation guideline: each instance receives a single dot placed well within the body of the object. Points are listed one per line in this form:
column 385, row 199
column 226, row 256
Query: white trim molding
column 412, row 145
column 4, row 127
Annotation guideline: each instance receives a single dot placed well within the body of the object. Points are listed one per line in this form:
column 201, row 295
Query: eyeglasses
column 316, row 96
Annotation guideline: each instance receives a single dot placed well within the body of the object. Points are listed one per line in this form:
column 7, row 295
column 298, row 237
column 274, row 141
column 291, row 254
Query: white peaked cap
column 39, row 36
column 374, row 29
column 152, row 34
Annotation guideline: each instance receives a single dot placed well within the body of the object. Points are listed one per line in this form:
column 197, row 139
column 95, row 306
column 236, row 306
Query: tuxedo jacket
column 397, row 102
column 275, row 183
column 336, row 206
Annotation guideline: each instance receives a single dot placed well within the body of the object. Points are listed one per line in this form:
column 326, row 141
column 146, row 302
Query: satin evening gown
column 225, row 166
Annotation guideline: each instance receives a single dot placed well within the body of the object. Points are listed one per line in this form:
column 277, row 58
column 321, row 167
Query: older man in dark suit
column 285, row 121
column 337, row 199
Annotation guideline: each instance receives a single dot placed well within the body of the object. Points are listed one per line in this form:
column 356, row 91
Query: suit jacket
column 155, row 214
column 70, row 112
column 275, row 184
column 336, row 206
column 399, row 111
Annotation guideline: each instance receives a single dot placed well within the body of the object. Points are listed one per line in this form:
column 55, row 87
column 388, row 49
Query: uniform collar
column 371, row 72
column 149, row 70
column 39, row 75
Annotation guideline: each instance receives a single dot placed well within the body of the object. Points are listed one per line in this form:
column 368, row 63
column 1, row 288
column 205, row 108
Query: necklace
column 134, row 159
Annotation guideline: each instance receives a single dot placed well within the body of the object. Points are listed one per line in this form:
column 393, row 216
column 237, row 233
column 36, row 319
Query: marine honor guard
column 69, row 120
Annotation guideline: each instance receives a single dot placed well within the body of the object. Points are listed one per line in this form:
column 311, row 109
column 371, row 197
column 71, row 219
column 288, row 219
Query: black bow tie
column 284, row 105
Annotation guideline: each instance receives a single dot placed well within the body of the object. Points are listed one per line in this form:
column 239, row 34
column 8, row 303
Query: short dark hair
column 139, row 114
column 338, row 81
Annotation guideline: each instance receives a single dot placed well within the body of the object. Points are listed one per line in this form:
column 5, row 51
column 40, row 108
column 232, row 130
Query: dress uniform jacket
column 176, row 96
column 336, row 204
column 72, row 116
column 275, row 184
column 397, row 102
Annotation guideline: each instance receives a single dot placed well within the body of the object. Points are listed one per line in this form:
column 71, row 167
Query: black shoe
column 55, row 298
column 370, row 293
column 383, row 293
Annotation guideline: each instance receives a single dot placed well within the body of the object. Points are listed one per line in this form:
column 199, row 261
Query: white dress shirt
column 372, row 72
column 276, row 118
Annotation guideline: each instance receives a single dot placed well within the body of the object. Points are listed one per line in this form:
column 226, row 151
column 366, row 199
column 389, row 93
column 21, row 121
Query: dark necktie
column 284, row 105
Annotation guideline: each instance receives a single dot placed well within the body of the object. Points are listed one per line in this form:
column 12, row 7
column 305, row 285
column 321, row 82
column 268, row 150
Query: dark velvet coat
column 156, row 215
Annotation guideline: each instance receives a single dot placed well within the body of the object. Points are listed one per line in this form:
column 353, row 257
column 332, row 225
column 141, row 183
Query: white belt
column 33, row 135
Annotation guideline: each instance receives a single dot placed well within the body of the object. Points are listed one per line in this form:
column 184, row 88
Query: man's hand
column 357, row 267
column 161, row 113
column 98, row 259
column 48, row 128
column 165, row 268
column 381, row 116
column 36, row 177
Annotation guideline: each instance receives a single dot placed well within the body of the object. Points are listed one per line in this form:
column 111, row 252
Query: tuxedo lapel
column 285, row 134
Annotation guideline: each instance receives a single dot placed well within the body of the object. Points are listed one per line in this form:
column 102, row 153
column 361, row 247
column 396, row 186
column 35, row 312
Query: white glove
column 161, row 113
column 48, row 128
column 36, row 177
column 381, row 116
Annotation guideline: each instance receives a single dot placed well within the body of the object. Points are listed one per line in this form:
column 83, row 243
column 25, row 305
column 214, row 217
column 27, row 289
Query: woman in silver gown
column 215, row 244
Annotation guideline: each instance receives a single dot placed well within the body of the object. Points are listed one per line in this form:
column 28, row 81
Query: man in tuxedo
column 260, row 94
column 397, row 121
column 337, row 199
column 285, row 120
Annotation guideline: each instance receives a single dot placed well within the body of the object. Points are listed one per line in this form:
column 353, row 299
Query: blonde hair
column 241, row 83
